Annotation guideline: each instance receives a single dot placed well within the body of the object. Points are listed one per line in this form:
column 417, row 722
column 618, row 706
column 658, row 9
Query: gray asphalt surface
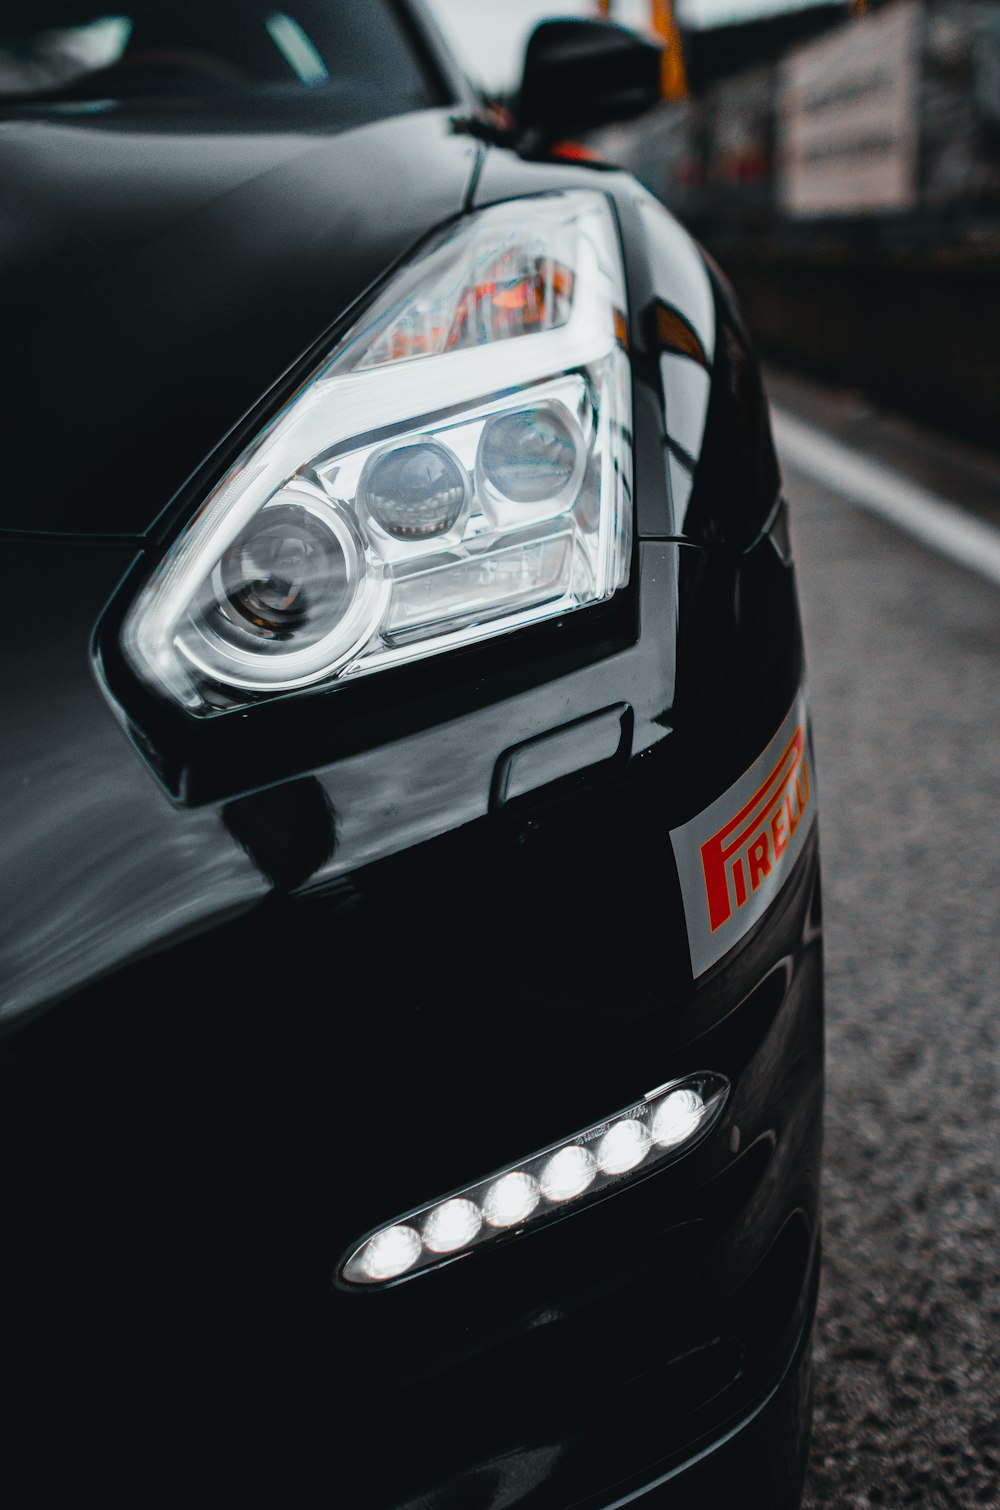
column 904, row 664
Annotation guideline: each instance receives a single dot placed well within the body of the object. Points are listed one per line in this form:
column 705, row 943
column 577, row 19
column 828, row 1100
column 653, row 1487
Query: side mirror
column 581, row 74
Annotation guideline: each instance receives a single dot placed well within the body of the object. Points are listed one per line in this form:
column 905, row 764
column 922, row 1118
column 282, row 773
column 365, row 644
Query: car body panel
column 188, row 271
column 272, row 980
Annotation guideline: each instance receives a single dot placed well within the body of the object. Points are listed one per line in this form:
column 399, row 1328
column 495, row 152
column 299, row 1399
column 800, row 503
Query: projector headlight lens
column 530, row 463
column 414, row 491
column 292, row 590
column 287, row 576
column 666, row 1124
column 458, row 466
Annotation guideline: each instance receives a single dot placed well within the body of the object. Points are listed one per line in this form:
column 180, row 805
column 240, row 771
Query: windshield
column 328, row 52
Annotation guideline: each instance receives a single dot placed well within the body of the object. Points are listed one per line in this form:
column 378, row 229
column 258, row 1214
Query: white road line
column 945, row 528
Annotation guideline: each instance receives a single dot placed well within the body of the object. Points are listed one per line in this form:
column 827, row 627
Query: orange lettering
column 759, row 860
column 793, row 817
column 802, row 787
column 727, row 861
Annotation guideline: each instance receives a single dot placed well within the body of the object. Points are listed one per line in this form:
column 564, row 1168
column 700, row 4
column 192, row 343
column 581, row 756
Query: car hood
column 159, row 281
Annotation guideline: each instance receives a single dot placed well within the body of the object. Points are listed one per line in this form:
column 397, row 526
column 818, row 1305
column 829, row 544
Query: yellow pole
column 673, row 79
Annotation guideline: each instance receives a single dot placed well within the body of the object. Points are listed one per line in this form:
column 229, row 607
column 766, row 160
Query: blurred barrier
column 918, row 329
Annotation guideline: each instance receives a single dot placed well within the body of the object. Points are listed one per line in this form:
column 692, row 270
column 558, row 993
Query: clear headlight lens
column 459, row 466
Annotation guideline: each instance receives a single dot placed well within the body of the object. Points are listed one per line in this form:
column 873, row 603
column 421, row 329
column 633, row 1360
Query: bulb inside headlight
column 459, row 466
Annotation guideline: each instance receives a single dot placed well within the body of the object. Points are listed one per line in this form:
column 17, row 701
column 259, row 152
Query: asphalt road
column 904, row 666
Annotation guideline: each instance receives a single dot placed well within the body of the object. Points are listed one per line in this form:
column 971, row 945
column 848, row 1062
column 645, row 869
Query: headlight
column 459, row 466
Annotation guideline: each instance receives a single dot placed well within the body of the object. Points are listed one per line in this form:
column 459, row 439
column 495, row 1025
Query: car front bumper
column 656, row 1347
column 204, row 1123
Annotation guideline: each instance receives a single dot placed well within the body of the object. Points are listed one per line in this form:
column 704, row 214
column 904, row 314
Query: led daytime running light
column 667, row 1123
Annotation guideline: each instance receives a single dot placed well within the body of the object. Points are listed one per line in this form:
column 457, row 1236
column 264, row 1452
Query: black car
column 411, row 947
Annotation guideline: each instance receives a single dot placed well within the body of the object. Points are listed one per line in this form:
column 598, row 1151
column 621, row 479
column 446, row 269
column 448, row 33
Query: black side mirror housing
column 580, row 74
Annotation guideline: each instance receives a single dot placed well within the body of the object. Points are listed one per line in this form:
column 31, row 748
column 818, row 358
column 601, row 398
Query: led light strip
column 665, row 1124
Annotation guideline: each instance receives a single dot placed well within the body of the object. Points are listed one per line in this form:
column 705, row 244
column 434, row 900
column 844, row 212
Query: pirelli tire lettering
column 733, row 857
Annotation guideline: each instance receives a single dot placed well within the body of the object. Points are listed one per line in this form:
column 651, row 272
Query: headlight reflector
column 458, row 466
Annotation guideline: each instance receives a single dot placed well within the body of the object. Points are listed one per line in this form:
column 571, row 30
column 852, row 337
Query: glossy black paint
column 583, row 73
column 188, row 271
column 267, row 983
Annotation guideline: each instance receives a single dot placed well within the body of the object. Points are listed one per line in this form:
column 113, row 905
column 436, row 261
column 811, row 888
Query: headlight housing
column 459, row 466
